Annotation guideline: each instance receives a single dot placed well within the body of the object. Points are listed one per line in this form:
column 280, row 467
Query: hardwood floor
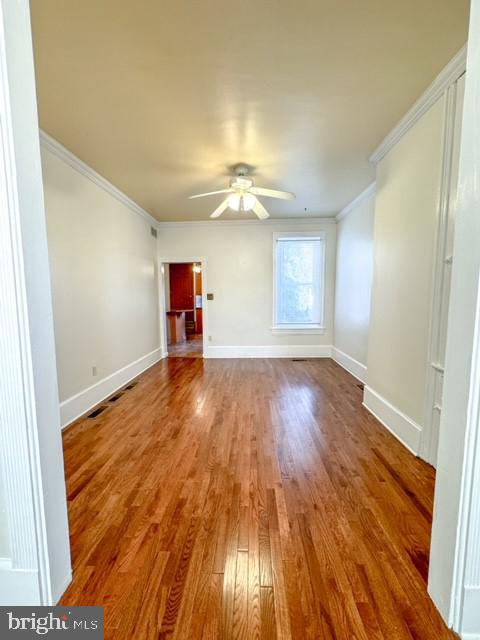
column 191, row 348
column 249, row 499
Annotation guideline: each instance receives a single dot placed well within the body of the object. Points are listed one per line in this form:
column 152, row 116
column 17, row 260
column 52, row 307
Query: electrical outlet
column 209, row 296
column 94, row 371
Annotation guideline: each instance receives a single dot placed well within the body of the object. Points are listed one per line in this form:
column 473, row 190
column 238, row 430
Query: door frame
column 162, row 260
column 454, row 572
column 428, row 438
column 35, row 568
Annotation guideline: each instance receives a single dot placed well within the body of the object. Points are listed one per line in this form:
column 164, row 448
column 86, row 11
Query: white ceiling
column 162, row 97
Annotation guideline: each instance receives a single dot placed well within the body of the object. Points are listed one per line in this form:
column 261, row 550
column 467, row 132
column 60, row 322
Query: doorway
column 183, row 291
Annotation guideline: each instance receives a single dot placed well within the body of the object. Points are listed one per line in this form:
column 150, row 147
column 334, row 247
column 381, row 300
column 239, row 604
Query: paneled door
column 443, row 270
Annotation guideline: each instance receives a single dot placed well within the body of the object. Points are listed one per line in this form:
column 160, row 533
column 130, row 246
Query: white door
column 443, row 268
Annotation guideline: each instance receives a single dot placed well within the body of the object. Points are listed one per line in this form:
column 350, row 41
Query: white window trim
column 298, row 329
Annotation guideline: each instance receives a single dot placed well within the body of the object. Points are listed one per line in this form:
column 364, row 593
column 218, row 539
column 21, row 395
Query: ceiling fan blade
column 260, row 210
column 272, row 193
column 220, row 209
column 210, row 193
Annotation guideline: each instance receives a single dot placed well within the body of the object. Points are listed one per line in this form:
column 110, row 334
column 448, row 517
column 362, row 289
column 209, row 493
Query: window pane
column 299, row 281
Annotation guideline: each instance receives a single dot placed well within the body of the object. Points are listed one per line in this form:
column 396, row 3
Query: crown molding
column 449, row 74
column 52, row 145
column 369, row 191
column 182, row 224
column 62, row 153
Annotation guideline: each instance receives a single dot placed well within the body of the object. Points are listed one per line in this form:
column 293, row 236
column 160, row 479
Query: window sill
column 298, row 329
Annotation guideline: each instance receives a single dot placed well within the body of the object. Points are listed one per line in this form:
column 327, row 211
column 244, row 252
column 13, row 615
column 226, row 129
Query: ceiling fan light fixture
column 243, row 195
column 241, row 201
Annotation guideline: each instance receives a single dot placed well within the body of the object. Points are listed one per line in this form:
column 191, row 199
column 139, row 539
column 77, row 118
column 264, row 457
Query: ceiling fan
column 243, row 195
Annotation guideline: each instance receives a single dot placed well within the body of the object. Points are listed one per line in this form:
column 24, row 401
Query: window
column 299, row 282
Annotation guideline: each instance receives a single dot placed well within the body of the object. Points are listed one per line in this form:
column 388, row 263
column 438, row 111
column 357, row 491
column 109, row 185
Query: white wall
column 240, row 275
column 353, row 284
column 406, row 210
column 104, row 280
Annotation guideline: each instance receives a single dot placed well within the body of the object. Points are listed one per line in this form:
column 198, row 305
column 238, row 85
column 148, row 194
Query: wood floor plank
column 254, row 617
column 252, row 499
column 269, row 623
column 240, row 602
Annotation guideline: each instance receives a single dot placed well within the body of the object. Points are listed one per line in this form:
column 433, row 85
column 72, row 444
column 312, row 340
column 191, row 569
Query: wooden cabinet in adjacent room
column 181, row 287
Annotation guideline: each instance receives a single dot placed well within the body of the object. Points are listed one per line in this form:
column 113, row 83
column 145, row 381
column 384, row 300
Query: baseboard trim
column 357, row 369
column 470, row 620
column 19, row 587
column 76, row 406
column 62, row 588
column 270, row 351
column 401, row 426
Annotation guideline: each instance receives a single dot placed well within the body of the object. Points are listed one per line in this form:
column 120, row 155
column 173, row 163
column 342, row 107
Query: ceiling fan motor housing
column 241, row 170
column 243, row 195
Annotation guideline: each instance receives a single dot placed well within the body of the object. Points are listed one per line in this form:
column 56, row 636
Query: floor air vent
column 131, row 385
column 115, row 397
column 299, row 359
column 97, row 412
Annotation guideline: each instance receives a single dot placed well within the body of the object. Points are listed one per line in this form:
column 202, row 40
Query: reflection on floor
column 191, row 348
column 248, row 499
